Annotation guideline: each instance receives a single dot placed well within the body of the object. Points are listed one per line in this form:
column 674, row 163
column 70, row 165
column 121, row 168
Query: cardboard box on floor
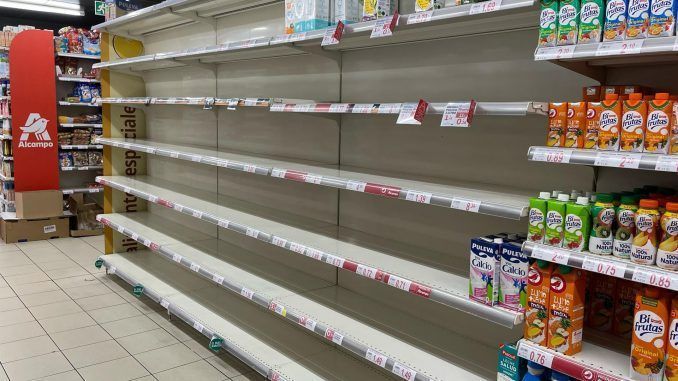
column 39, row 204
column 13, row 231
column 85, row 224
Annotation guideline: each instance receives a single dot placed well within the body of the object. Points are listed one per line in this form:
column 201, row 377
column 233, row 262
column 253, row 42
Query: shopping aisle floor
column 61, row 319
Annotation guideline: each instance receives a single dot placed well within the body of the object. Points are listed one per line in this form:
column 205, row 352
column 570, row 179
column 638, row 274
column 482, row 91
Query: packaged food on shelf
column 625, row 227
column 538, row 299
column 658, row 124
column 548, row 23
column 650, row 333
column 671, row 369
column 577, row 224
column 593, row 111
column 376, row 9
column 80, row 158
column 510, row 366
column 609, row 125
column 95, row 158
column 566, row 309
column 644, row 246
column 537, row 217
column 602, row 292
column 602, row 218
column 615, row 20
column 514, row 266
column 576, row 123
column 484, row 269
column 557, row 124
column 427, row 5
column 673, row 145
column 568, row 22
column 624, row 304
column 662, row 18
column 638, row 19
column 306, row 15
column 66, row 159
column 555, row 220
column 634, row 120
column 667, row 252
column 347, row 11
column 591, row 21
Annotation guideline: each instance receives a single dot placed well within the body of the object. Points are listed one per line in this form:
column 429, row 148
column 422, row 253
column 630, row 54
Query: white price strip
column 297, row 248
column 485, row 6
column 404, row 372
column 552, row 155
column 195, row 267
column 619, row 48
column 165, row 303
column 313, row 179
column 667, row 281
column 458, row 114
column 281, row 242
column 420, row 197
column 472, row 206
column 366, row 271
column 384, row 27
column 315, row 254
column 308, row 323
column 218, row 279
column 339, row 108
column 246, row 292
column 618, row 160
column 333, row 335
column 356, row 186
column 554, row 53
column 305, row 107
column 604, row 267
column 362, row 108
column 277, row 107
column 550, row 255
column 198, row 327
column 420, row 17
column 376, row 357
column 667, row 163
column 399, row 282
column 334, row 261
column 535, row 354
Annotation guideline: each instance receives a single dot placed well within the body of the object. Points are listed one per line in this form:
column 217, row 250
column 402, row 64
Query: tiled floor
column 61, row 319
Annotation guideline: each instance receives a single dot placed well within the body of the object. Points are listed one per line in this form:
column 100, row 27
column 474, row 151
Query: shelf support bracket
column 193, row 16
column 318, row 51
column 197, row 64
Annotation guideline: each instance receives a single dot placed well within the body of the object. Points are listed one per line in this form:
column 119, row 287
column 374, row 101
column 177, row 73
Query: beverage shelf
column 467, row 197
column 287, row 292
column 83, row 168
column 317, row 240
column 77, row 104
column 630, row 160
column 83, row 190
column 82, row 146
column 80, row 55
column 605, row 264
column 77, row 79
column 594, row 362
column 81, row 125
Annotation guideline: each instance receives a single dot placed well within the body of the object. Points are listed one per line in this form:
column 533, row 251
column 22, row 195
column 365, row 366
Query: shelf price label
column 398, row 282
column 554, row 53
column 366, row 271
column 419, row 17
column 548, row 155
column 619, row 48
column 384, row 27
column 334, row 336
column 376, row 357
column 246, row 292
column 277, row 107
column 484, row 7
column 412, row 113
column 667, row 163
column 404, row 372
column 550, row 254
column 656, row 279
column 339, row 108
column 535, row 354
column 334, row 260
column 458, row 114
column 218, row 279
column 356, row 186
column 618, row 160
column 333, row 35
column 308, row 323
column 466, row 205
column 604, row 267
column 420, row 197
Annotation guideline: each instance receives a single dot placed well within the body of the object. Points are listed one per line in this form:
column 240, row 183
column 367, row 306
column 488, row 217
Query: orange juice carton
column 566, row 309
column 615, row 20
column 650, row 332
column 548, row 22
column 609, row 125
column 593, row 110
column 602, row 294
column 624, row 304
column 592, row 93
column 591, row 21
column 605, row 90
column 671, row 371
column 662, row 18
column 568, row 22
column 484, row 274
column 537, row 311
column 630, row 89
column 576, row 122
column 634, row 119
column 557, row 124
column 673, row 140
column 658, row 124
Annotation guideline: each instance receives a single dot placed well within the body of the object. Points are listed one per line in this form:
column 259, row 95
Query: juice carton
column 577, row 224
column 427, row 5
column 537, row 217
column 673, row 145
column 667, row 254
column 568, row 22
column 602, row 293
column 671, row 371
column 306, row 15
column 633, row 123
column 650, row 332
column 484, row 275
column 510, row 367
column 605, row 90
column 513, row 276
column 555, row 220
column 557, row 124
column 566, row 309
column 591, row 21
column 644, row 246
column 615, row 20
column 638, row 19
column 576, row 122
column 548, row 23
column 609, row 125
column 376, row 9
column 538, row 291
column 658, row 124
column 347, row 11
column 624, row 304
column 593, row 111
column 625, row 227
column 602, row 218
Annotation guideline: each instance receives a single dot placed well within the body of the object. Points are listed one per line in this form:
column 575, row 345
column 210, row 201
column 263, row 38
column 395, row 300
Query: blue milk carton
column 484, row 274
column 514, row 266
column 638, row 19
column 615, row 20
column 662, row 18
column 510, row 366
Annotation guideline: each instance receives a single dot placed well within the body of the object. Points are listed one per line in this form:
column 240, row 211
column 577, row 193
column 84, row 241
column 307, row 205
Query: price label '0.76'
column 535, row 354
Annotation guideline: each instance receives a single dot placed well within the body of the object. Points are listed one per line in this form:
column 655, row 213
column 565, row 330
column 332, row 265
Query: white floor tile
column 36, row 367
column 100, row 301
column 67, row 322
column 165, row 358
column 79, row 337
column 76, row 281
column 96, row 353
column 129, row 326
column 71, row 375
column 12, row 317
column 117, row 370
column 20, row 332
column 22, row 349
column 108, row 314
column 147, row 341
column 45, row 311
column 35, row 288
column 13, row 303
column 42, row 298
column 199, row 370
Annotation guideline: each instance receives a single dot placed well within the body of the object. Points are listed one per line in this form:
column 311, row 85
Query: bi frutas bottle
column 603, row 215
column 644, row 247
column 537, row 217
column 577, row 224
column 650, row 333
column 555, row 220
column 667, row 254
column 626, row 227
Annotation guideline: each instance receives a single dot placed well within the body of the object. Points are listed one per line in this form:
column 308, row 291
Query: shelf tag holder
column 215, row 343
column 458, row 114
column 384, row 27
column 98, row 263
column 412, row 113
column 232, row 103
column 333, row 35
column 484, row 7
column 138, row 290
column 209, row 104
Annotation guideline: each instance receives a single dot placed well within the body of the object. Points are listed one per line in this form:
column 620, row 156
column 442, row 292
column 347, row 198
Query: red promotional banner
column 34, row 116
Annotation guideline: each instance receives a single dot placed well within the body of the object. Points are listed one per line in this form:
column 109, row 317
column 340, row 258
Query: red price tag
column 458, row 114
column 535, row 354
column 384, row 27
column 604, row 267
column 420, row 17
column 333, row 35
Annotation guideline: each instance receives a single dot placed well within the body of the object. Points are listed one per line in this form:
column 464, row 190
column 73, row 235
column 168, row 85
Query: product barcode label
column 458, row 114
column 315, row 254
column 297, row 248
column 279, row 173
column 198, row 327
column 376, row 357
column 304, row 107
column 619, row 48
column 535, row 354
column 223, row 224
column 246, row 292
column 485, row 6
column 466, row 205
column 604, row 267
column 334, row 336
column 656, row 279
column 308, row 323
column 252, row 233
column 356, row 186
column 178, row 208
column 420, row 197
column 339, row 108
column 218, row 279
column 153, row 199
column 555, row 155
column 313, row 179
column 279, row 241
column 404, row 372
column 419, row 17
column 366, row 271
column 334, row 261
column 667, row 163
column 195, row 267
column 618, row 160
column 554, row 53
column 399, row 282
column 174, row 155
column 250, row 168
column 333, row 34
column 277, row 107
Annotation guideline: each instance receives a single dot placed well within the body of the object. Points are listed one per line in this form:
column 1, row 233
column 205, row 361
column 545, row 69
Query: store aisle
column 61, row 319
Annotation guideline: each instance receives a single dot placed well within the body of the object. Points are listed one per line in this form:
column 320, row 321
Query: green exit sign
column 99, row 8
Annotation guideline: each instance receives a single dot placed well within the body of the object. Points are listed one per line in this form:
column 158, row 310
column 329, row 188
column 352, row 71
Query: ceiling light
column 49, row 6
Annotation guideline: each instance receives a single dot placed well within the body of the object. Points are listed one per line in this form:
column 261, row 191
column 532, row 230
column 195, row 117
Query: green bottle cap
column 629, row 200
column 604, row 197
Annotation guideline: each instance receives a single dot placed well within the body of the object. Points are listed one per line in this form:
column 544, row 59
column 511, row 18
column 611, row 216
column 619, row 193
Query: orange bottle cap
column 661, row 96
column 649, row 204
column 672, row 206
column 611, row 97
column 635, row 96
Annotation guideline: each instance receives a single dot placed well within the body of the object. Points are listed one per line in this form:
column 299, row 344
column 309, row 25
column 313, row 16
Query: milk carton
column 615, row 20
column 484, row 274
column 347, row 11
column 662, row 18
column 513, row 276
column 306, row 15
column 638, row 19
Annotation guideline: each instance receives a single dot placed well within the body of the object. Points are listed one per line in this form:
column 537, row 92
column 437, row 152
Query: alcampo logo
column 36, row 125
column 557, row 283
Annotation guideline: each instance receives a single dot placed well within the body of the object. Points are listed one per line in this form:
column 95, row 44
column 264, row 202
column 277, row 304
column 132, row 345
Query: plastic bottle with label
column 555, row 220
column 667, row 253
column 625, row 227
column 602, row 216
column 535, row 372
column 537, row 217
column 644, row 246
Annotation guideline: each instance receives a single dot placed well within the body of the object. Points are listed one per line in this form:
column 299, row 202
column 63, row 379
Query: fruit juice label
column 577, row 226
column 592, row 124
column 638, row 19
column 644, row 246
column 427, row 5
column 557, row 124
column 615, row 20
column 658, row 126
column 376, row 9
column 591, row 21
column 602, row 293
column 650, row 332
column 609, row 126
column 633, row 125
column 667, row 253
column 537, row 220
column 566, row 310
column 671, row 371
column 673, row 145
column 602, row 218
column 484, row 275
column 548, row 23
column 555, row 223
column 537, row 312
column 662, row 18
column 576, row 123
column 624, row 304
column 513, row 277
column 568, row 22
column 625, row 231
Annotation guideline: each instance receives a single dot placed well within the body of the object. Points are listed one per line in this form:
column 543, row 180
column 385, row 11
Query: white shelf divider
column 83, row 168
column 613, row 159
column 77, row 79
column 80, row 55
column 81, row 125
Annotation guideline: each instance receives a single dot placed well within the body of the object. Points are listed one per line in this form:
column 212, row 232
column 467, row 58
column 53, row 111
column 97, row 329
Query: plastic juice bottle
column 538, row 291
column 650, row 332
column 615, row 20
column 592, row 124
column 537, row 217
column 568, row 22
column 667, row 254
column 671, row 371
column 633, row 123
column 602, row 292
column 624, row 304
column 577, row 224
column 644, row 246
column 576, row 123
column 658, row 124
column 557, row 124
column 591, row 21
column 625, row 227
column 555, row 220
column 535, row 372
column 638, row 19
column 566, row 310
column 610, row 123
column 602, row 217
column 548, row 23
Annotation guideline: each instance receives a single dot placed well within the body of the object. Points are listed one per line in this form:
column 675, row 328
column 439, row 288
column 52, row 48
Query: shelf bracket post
column 193, row 16
column 197, row 64
column 318, row 51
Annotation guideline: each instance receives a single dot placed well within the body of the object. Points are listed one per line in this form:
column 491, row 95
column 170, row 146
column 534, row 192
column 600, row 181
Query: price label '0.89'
column 556, row 155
